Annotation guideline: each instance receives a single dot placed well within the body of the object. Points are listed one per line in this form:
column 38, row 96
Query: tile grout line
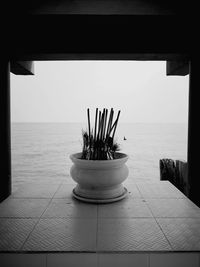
column 46, row 263
column 164, row 234
column 97, row 251
column 199, row 259
column 29, row 234
column 106, row 217
column 159, row 225
column 139, row 191
column 157, row 221
column 97, row 229
column 39, row 218
column 180, row 194
column 148, row 259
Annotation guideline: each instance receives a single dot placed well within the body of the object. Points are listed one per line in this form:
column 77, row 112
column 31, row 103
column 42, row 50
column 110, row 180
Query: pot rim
column 75, row 158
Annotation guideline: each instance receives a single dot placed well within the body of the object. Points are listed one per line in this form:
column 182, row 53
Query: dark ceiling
column 98, row 26
column 142, row 7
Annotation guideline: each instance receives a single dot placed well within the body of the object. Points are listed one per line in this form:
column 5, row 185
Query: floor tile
column 65, row 191
column 22, row 260
column 132, row 190
column 163, row 189
column 23, row 208
column 63, row 235
column 36, row 190
column 64, row 208
column 121, row 260
column 72, row 260
column 183, row 234
column 174, row 260
column 68, row 180
column 173, row 208
column 127, row 208
column 135, row 179
column 138, row 223
column 130, row 235
column 13, row 232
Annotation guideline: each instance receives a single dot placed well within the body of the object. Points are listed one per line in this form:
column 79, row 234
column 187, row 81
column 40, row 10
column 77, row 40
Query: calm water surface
column 40, row 151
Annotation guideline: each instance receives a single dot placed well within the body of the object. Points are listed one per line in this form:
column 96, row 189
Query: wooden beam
column 22, row 67
column 98, row 36
column 179, row 68
column 5, row 142
column 193, row 133
column 102, row 56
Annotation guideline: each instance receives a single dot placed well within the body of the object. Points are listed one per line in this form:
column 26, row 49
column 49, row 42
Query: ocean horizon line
column 70, row 122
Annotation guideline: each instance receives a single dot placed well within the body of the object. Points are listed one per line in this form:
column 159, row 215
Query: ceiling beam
column 102, row 56
column 22, row 67
column 179, row 68
column 98, row 37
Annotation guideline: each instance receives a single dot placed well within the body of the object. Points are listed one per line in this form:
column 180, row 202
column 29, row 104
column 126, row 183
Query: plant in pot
column 100, row 169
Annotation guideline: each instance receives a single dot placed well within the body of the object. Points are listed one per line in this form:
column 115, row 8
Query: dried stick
column 88, row 115
column 109, row 123
column 105, row 121
column 102, row 124
column 95, row 127
column 116, row 124
column 99, row 124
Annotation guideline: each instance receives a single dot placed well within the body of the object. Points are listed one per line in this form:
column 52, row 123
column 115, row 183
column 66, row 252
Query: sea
column 40, row 151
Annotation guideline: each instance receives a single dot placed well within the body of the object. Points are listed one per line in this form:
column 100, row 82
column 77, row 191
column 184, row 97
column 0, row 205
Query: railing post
column 193, row 135
column 5, row 142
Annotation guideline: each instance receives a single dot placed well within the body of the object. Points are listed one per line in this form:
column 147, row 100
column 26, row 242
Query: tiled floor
column 155, row 222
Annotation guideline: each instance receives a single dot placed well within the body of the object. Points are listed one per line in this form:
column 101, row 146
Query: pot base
column 99, row 201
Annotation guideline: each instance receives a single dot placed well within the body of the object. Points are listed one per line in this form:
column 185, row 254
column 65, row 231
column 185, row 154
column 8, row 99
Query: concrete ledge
column 100, row 260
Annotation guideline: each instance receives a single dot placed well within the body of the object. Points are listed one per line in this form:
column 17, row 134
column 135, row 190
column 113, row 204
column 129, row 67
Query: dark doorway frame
column 94, row 37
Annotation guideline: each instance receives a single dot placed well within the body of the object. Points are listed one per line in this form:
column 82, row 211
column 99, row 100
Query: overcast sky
column 61, row 91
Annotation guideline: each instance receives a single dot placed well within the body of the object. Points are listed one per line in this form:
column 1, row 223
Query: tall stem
column 116, row 124
column 109, row 123
column 99, row 125
column 105, row 121
column 88, row 115
column 95, row 127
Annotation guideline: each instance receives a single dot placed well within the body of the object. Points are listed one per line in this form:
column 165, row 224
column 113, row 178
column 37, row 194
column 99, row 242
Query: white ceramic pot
column 99, row 181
